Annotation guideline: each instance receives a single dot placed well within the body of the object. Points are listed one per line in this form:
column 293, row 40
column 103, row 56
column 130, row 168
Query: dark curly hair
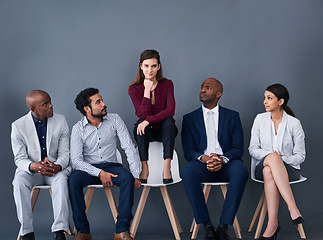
column 83, row 99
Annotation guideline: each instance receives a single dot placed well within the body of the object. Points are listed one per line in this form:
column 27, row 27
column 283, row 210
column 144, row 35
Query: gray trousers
column 22, row 185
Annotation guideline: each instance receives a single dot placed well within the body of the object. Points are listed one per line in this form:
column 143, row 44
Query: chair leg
column 236, row 226
column 257, row 212
column 195, row 227
column 301, row 231
column 176, row 219
column 112, row 203
column 140, row 209
column 34, row 196
column 262, row 216
column 170, row 211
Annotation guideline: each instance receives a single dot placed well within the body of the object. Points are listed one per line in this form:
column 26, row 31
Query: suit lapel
column 282, row 127
column 33, row 133
column 221, row 122
column 49, row 133
column 200, row 122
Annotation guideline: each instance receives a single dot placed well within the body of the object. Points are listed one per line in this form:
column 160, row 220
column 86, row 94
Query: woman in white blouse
column 277, row 145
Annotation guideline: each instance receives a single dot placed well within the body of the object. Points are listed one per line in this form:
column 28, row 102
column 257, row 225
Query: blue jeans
column 235, row 172
column 80, row 179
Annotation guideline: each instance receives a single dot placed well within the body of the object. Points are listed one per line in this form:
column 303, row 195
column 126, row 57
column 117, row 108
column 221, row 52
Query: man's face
column 42, row 107
column 209, row 91
column 97, row 108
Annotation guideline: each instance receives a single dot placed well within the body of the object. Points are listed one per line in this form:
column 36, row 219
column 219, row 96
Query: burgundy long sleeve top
column 163, row 108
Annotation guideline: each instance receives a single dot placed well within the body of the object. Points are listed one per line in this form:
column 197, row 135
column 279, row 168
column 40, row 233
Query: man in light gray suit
column 40, row 144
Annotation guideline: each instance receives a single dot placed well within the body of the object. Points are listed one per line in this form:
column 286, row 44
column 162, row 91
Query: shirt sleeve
column 141, row 104
column 128, row 146
column 77, row 161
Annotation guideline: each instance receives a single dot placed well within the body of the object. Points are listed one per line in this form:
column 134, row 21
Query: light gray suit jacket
column 290, row 139
column 26, row 147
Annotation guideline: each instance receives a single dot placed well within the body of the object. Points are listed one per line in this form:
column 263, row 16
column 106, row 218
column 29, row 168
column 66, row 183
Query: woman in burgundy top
column 153, row 98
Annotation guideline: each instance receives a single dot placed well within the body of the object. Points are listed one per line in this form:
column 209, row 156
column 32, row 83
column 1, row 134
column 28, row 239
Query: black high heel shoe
column 298, row 220
column 168, row 180
column 274, row 236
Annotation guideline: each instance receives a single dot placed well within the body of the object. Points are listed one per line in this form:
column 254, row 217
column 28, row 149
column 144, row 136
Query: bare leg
column 280, row 177
column 166, row 170
column 144, row 171
column 272, row 198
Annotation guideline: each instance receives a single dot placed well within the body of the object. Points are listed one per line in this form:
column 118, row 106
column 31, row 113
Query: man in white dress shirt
column 40, row 144
column 94, row 161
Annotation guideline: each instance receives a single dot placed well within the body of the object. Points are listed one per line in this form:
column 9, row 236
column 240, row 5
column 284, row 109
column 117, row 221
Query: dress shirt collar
column 215, row 110
column 85, row 121
column 36, row 120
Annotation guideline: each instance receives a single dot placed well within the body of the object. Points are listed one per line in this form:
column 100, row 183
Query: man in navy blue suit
column 212, row 140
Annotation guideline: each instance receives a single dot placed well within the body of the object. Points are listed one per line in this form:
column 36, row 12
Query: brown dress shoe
column 83, row 236
column 123, row 236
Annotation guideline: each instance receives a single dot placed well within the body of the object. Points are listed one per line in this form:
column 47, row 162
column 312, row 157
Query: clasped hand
column 213, row 162
column 45, row 168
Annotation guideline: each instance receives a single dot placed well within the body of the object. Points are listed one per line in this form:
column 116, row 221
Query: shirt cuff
column 225, row 159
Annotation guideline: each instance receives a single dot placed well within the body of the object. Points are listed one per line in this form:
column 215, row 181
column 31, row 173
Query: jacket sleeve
column 19, row 149
column 236, row 148
column 63, row 146
column 188, row 144
column 255, row 149
column 298, row 136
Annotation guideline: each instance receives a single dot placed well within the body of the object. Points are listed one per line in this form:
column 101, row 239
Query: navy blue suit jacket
column 230, row 134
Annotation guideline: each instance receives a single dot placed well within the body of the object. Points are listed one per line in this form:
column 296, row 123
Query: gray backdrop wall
column 66, row 46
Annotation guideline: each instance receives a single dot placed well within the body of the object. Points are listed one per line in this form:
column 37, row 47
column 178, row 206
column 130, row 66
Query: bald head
column 39, row 102
column 211, row 92
column 34, row 96
column 218, row 84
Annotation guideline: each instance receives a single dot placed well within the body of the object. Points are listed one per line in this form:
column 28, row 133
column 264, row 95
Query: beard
column 100, row 115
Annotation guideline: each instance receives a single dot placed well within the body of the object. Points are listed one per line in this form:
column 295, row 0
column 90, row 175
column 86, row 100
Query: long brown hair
column 147, row 54
column 280, row 91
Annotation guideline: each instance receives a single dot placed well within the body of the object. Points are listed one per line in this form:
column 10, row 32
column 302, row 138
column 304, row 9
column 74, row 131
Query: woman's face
column 271, row 102
column 150, row 68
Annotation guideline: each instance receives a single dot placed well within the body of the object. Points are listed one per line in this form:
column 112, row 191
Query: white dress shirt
column 216, row 148
column 95, row 145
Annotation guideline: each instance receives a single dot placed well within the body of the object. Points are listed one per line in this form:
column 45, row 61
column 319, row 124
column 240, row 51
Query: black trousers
column 166, row 134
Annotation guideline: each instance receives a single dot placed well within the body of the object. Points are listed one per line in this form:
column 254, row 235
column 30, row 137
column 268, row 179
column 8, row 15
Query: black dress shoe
column 59, row 235
column 29, row 236
column 222, row 232
column 210, row 233
column 298, row 220
column 274, row 236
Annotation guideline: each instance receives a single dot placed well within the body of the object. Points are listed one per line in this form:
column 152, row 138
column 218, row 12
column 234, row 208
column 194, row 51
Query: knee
column 240, row 171
column 21, row 182
column 127, row 178
column 74, row 180
column 168, row 123
column 266, row 172
column 273, row 158
column 189, row 172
